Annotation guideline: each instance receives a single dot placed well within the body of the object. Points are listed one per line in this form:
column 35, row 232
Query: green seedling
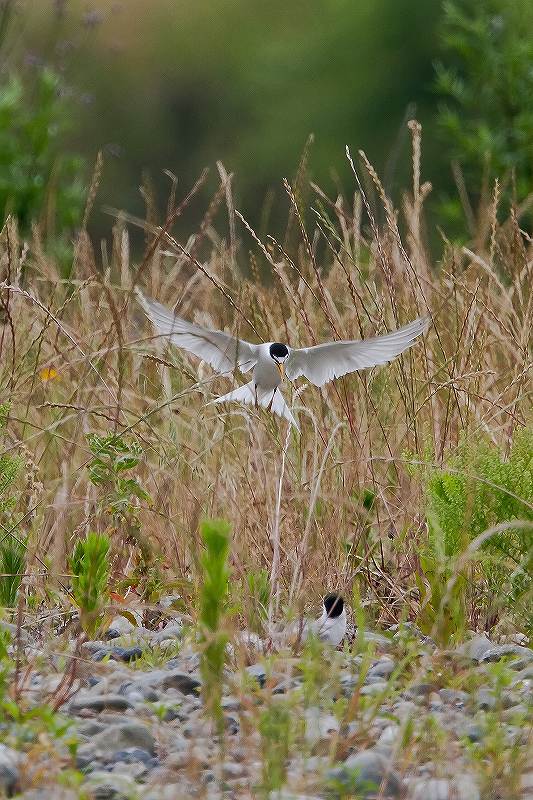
column 276, row 729
column 215, row 536
column 90, row 569
column 12, row 566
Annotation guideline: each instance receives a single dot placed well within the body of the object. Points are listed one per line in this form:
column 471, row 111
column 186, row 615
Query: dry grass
column 337, row 275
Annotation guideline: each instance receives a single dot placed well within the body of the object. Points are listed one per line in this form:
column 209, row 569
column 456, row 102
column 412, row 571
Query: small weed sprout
column 215, row 535
column 259, row 593
column 275, row 727
column 12, row 565
column 90, row 569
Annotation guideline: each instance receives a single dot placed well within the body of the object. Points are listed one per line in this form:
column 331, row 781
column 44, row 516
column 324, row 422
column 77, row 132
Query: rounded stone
column 9, row 773
column 463, row 787
column 131, row 755
column 383, row 669
column 475, row 648
column 124, row 736
column 373, row 689
column 364, row 773
column 99, row 702
column 108, row 786
column 502, row 650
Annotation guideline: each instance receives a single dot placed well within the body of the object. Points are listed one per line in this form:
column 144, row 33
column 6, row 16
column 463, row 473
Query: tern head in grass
column 331, row 626
column 271, row 362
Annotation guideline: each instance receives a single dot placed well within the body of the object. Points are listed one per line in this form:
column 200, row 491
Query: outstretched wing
column 331, row 360
column 222, row 351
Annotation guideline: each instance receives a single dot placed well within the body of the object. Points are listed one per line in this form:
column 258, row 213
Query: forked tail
column 247, row 394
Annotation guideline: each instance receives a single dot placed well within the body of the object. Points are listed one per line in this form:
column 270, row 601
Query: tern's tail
column 247, row 394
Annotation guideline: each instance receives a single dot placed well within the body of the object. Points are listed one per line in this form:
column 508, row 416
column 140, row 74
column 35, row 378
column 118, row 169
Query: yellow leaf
column 48, row 374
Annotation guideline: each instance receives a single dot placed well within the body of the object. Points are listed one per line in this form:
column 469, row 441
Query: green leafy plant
column 215, row 534
column 443, row 612
column 114, row 458
column 486, row 82
column 90, row 570
column 478, row 490
column 498, row 762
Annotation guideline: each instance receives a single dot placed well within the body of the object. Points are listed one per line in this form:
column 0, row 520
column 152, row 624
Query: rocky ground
column 389, row 711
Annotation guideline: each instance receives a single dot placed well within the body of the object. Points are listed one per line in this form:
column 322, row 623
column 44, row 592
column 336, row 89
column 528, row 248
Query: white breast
column 331, row 629
column 266, row 373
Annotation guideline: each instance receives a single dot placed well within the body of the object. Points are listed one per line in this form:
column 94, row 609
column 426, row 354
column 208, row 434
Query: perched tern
column 272, row 361
column 330, row 627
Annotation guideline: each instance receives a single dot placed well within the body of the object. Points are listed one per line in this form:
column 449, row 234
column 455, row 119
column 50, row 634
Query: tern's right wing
column 222, row 351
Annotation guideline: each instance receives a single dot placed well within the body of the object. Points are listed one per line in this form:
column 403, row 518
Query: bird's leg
column 255, row 389
column 272, row 399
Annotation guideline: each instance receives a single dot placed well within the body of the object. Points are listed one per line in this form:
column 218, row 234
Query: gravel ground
column 390, row 712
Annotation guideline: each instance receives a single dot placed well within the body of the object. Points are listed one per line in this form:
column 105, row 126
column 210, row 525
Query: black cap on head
column 334, row 605
column 278, row 350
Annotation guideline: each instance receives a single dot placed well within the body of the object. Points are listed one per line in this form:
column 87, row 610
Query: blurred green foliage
column 259, row 598
column 39, row 184
column 112, row 457
column 178, row 86
column 486, row 80
column 113, row 470
column 170, row 86
column 276, row 726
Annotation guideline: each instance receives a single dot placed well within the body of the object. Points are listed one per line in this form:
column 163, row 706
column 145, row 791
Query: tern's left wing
column 331, row 360
column 222, row 351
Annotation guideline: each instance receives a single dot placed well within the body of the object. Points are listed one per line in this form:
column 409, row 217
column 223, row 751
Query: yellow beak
column 281, row 368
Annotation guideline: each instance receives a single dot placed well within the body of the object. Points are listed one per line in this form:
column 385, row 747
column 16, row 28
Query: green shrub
column 110, row 469
column 479, row 489
column 10, row 467
column 113, row 457
column 5, row 663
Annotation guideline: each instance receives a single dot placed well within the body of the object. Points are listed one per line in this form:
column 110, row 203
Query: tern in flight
column 272, row 361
